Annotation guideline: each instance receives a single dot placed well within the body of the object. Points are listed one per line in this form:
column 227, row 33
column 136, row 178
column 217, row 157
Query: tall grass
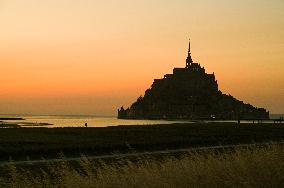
column 250, row 167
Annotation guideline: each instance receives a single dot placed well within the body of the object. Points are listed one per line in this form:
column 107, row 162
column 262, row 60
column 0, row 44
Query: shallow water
column 79, row 121
column 95, row 121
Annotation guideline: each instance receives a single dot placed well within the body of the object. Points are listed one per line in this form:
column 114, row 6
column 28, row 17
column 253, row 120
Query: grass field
column 249, row 167
column 18, row 143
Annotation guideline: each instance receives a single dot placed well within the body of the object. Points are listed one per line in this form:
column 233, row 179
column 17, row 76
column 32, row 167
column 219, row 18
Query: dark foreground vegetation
column 243, row 167
column 35, row 143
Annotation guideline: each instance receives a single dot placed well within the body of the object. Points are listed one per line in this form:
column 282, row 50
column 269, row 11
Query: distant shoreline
column 8, row 122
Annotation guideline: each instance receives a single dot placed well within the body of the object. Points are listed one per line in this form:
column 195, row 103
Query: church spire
column 188, row 59
column 189, row 46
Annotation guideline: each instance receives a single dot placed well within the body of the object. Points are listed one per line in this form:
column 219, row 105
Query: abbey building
column 189, row 93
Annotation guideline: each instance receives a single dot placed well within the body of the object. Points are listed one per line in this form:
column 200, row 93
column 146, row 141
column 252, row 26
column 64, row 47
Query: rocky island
column 189, row 93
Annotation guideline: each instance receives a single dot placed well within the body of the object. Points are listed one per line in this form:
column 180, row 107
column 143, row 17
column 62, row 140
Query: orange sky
column 91, row 57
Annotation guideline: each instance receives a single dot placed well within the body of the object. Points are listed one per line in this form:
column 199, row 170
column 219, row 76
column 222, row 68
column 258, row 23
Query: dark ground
column 18, row 143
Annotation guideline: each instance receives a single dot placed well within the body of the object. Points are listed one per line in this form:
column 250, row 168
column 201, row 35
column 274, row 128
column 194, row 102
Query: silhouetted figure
column 86, row 124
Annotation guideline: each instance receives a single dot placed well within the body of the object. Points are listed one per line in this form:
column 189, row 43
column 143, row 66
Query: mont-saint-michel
column 189, row 93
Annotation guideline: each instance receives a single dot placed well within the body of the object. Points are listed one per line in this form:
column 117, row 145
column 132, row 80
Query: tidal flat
column 36, row 143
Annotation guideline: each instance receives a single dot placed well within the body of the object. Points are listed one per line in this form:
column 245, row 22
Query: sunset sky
column 93, row 56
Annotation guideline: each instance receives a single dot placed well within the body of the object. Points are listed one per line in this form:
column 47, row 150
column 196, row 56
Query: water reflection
column 79, row 121
column 95, row 121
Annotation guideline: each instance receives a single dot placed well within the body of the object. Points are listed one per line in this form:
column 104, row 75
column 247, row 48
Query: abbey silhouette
column 189, row 93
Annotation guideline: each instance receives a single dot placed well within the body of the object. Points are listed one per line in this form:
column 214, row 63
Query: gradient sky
column 93, row 56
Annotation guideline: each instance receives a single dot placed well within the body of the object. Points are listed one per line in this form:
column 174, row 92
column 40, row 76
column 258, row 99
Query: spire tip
column 189, row 45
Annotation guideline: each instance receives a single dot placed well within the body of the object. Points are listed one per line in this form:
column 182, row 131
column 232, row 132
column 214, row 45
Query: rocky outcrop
column 189, row 93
